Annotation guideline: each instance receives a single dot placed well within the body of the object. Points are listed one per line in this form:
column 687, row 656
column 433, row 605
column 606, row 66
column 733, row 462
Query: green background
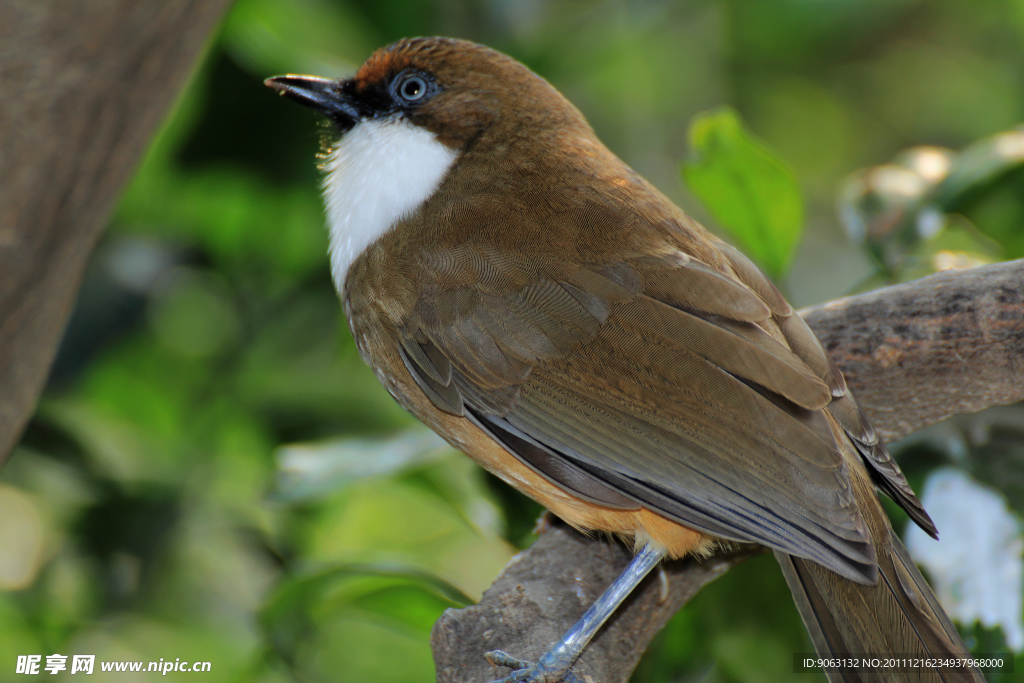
column 157, row 505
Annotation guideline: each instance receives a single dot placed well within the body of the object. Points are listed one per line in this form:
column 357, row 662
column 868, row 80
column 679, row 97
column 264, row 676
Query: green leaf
column 750, row 193
column 303, row 601
column 979, row 164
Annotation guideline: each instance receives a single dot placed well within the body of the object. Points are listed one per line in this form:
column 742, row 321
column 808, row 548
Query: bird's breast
column 376, row 175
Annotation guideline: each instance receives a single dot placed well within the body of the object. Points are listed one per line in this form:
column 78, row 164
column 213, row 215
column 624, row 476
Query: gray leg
column 554, row 665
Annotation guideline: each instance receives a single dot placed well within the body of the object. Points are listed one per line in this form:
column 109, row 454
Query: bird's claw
column 520, row 667
column 524, row 671
column 502, row 658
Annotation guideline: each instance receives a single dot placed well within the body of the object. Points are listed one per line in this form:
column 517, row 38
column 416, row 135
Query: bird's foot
column 528, row 672
column 553, row 666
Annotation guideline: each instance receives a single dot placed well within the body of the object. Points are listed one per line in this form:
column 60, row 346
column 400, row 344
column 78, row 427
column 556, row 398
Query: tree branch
column 914, row 354
column 948, row 344
column 85, row 85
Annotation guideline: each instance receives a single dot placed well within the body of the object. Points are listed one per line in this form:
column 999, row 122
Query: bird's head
column 420, row 112
column 457, row 90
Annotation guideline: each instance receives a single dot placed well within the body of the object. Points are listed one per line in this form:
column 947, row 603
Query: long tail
column 899, row 615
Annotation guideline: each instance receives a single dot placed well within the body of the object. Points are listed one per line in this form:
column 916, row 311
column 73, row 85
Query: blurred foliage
column 750, row 193
column 904, row 213
column 158, row 506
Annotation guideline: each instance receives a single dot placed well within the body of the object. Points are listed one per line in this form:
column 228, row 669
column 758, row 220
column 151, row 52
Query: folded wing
column 661, row 382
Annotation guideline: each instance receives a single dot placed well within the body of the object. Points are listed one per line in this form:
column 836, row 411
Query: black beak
column 320, row 94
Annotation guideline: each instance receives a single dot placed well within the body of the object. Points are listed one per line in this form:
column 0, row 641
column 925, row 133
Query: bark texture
column 914, row 354
column 85, row 85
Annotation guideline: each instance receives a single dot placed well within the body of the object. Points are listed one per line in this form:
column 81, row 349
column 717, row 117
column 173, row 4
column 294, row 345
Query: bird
column 550, row 313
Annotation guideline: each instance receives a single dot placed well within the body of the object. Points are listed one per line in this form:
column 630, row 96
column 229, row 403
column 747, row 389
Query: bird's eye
column 412, row 88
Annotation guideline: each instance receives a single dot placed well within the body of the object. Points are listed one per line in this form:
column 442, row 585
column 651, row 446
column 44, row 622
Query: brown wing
column 885, row 473
column 651, row 382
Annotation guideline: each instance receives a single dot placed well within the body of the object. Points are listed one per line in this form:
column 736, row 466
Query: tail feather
column 899, row 615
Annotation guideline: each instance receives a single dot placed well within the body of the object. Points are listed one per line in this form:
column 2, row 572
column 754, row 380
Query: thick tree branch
column 85, row 84
column 914, row 354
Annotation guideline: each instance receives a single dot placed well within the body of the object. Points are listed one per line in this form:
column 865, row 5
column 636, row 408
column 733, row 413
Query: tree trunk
column 85, row 84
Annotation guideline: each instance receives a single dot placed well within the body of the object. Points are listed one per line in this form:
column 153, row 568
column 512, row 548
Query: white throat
column 379, row 173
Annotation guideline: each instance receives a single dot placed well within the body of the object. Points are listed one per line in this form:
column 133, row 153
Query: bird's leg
column 553, row 666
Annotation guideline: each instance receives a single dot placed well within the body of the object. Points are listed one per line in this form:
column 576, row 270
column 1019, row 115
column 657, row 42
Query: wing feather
column 661, row 382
